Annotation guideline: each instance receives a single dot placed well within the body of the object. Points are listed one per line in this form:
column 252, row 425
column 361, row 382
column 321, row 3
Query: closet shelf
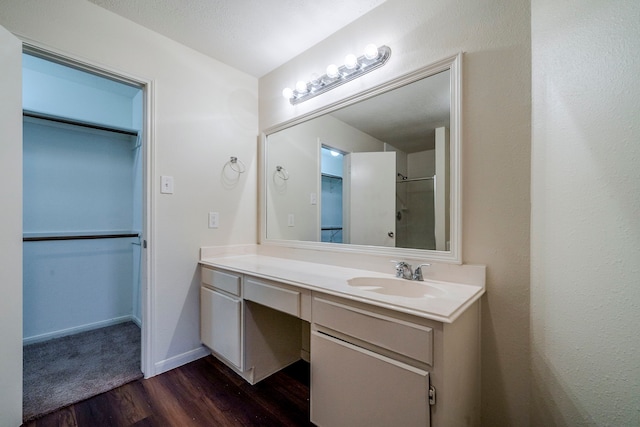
column 79, row 237
column 56, row 119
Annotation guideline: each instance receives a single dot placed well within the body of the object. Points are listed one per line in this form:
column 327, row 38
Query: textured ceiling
column 255, row 36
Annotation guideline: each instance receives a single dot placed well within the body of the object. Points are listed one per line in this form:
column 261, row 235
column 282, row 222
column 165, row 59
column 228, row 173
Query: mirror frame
column 454, row 255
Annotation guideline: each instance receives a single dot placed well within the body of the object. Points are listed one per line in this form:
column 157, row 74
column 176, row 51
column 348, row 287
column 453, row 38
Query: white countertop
column 451, row 301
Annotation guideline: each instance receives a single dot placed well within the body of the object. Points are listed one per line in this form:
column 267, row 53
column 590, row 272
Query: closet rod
column 80, row 237
column 41, row 116
column 428, row 178
column 329, row 175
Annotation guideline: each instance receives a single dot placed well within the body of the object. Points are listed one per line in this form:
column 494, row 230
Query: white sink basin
column 398, row 287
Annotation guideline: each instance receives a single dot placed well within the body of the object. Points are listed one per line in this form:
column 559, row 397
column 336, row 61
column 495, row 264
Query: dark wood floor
column 201, row 393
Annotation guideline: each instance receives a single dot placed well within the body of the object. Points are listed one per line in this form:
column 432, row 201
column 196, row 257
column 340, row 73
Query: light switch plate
column 166, row 184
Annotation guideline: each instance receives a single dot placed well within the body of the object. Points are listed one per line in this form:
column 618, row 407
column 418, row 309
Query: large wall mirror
column 376, row 173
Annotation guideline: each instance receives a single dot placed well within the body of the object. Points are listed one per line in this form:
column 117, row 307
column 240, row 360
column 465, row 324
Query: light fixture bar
column 336, row 76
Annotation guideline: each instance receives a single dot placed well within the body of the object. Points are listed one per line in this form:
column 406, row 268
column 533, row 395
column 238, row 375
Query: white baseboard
column 180, row 359
column 77, row 329
column 137, row 321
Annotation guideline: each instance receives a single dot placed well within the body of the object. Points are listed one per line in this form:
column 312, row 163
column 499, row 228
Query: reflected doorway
column 331, row 201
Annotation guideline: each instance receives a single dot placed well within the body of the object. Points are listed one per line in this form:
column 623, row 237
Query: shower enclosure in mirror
column 377, row 173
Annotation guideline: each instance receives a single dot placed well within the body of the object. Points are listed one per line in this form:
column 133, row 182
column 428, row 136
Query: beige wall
column 205, row 112
column 585, row 222
column 495, row 39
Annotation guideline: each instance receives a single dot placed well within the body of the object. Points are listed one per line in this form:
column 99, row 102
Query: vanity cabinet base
column 352, row 386
column 251, row 325
column 370, row 365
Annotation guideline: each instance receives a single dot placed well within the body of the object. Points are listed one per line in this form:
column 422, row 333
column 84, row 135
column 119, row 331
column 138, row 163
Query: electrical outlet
column 291, row 220
column 313, row 198
column 214, row 219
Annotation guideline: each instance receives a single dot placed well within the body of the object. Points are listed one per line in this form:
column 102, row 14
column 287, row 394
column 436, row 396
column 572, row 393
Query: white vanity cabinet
column 251, row 324
column 368, row 368
column 221, row 314
column 377, row 366
column 372, row 363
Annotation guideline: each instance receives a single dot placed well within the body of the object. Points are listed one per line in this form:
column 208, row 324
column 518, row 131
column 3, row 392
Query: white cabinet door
column 221, row 325
column 352, row 386
column 369, row 203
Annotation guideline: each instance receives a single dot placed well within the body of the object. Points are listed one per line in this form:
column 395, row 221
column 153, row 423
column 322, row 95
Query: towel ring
column 282, row 172
column 236, row 165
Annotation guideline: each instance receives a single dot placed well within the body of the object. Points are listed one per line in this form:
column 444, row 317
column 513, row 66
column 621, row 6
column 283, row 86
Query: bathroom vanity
column 382, row 350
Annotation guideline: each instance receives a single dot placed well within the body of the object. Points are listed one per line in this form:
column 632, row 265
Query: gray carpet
column 67, row 370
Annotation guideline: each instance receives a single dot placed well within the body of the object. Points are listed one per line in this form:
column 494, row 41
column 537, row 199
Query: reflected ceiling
column 404, row 116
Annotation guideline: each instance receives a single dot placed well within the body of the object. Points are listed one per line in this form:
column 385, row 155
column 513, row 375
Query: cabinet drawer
column 276, row 297
column 409, row 339
column 227, row 282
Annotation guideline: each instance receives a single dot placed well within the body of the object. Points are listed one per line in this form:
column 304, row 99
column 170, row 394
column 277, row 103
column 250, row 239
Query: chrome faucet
column 417, row 275
column 404, row 271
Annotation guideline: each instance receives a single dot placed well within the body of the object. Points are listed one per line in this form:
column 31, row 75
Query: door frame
column 147, row 268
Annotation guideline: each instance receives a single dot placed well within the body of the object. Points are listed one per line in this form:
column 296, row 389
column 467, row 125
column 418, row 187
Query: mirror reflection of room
column 383, row 172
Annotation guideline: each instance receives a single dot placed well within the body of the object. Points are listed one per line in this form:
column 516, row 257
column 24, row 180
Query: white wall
column 495, row 38
column 77, row 181
column 51, row 88
column 330, row 164
column 11, row 230
column 585, row 233
column 76, row 285
column 205, row 112
column 421, row 164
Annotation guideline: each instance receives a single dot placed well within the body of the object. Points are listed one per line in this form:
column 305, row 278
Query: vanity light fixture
column 354, row 67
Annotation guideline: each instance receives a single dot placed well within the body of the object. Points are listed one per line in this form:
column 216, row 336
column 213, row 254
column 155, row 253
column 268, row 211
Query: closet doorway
column 83, row 232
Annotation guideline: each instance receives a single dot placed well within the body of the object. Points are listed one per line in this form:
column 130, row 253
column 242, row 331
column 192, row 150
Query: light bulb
column 371, row 51
column 287, row 92
column 315, row 79
column 350, row 61
column 334, row 153
column 301, row 87
column 332, row 71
